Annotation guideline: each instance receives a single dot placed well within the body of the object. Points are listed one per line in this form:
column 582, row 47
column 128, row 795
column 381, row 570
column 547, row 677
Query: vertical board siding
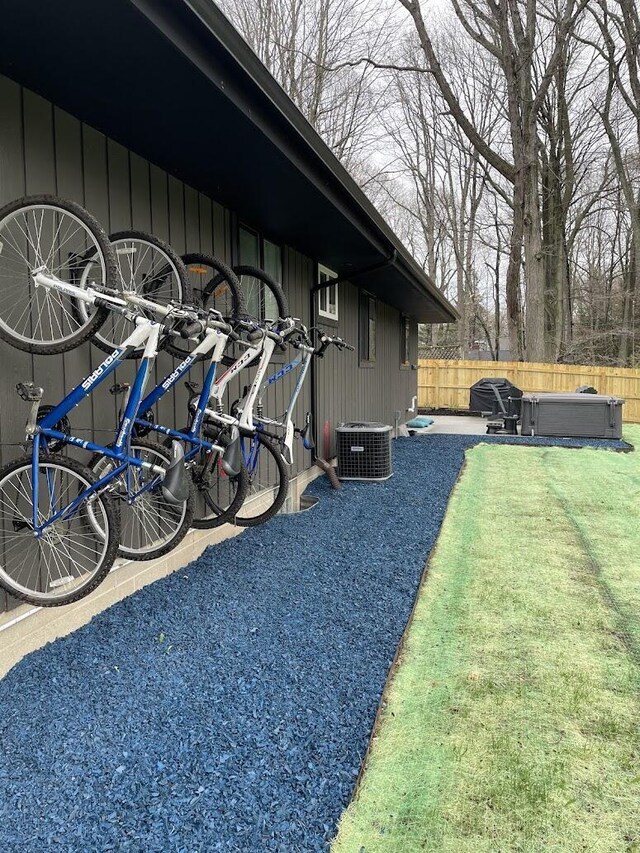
column 44, row 149
column 12, row 185
column 140, row 193
column 40, row 177
column 159, row 185
column 97, row 198
column 348, row 392
column 119, row 188
column 69, row 184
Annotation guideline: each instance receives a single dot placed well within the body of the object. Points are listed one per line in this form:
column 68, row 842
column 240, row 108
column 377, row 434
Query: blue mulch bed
column 228, row 706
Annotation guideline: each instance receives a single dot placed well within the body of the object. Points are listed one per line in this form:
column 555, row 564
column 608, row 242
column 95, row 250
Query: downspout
column 390, row 259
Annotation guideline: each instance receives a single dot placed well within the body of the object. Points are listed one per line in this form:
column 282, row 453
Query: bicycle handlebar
column 191, row 329
column 194, row 321
column 326, row 341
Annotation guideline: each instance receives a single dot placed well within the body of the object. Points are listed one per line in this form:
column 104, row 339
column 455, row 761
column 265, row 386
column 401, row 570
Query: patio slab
column 456, row 425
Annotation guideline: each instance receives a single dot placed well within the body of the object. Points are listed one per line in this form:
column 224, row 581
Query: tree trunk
column 514, row 310
column 534, row 265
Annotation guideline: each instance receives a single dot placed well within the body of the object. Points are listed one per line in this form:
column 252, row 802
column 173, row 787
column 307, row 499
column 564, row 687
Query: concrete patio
column 456, row 425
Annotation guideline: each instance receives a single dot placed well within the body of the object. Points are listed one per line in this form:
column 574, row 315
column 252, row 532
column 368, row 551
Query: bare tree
column 501, row 142
column 511, row 32
column 306, row 45
column 618, row 23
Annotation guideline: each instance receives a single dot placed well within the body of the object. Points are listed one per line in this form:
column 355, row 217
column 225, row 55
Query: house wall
column 45, row 150
column 348, row 392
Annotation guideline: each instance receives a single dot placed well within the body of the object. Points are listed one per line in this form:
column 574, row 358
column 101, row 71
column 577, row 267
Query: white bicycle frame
column 265, row 349
column 214, row 342
column 286, row 422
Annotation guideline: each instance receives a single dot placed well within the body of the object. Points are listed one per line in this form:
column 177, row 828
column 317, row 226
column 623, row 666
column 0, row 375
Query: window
column 367, row 328
column 328, row 296
column 405, row 341
column 256, row 251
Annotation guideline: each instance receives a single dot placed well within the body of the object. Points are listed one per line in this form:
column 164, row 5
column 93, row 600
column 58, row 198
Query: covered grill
column 487, row 395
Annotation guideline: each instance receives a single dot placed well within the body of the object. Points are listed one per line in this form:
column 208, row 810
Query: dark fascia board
column 327, row 172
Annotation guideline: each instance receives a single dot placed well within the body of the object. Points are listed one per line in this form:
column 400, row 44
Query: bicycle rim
column 218, row 496
column 143, row 267
column 52, row 239
column 69, row 559
column 268, row 482
column 149, row 524
column 263, row 296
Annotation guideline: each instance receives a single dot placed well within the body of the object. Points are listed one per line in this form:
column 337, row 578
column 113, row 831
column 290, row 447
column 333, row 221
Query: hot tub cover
column 483, row 399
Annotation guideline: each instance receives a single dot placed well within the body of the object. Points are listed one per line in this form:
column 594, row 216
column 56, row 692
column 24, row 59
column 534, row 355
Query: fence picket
column 445, row 383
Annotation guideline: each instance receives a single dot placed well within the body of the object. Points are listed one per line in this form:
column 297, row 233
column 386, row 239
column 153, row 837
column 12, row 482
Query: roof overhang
column 173, row 81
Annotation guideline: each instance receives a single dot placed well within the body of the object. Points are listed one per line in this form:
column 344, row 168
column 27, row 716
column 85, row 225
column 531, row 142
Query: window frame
column 367, row 301
column 261, row 237
column 405, row 342
column 278, row 357
column 326, row 315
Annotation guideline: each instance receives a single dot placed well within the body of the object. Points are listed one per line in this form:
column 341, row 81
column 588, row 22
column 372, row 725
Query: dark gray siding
column 43, row 149
column 348, row 392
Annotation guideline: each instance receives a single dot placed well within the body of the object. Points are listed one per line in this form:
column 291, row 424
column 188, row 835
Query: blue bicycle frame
column 215, row 342
column 147, row 332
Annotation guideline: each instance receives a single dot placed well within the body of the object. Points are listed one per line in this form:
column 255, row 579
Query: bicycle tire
column 27, row 543
column 130, row 517
column 178, row 290
column 219, row 268
column 278, row 481
column 254, row 300
column 34, row 298
column 215, row 495
column 230, row 303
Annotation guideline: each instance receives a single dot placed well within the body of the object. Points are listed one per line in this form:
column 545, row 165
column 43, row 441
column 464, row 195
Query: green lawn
column 513, row 719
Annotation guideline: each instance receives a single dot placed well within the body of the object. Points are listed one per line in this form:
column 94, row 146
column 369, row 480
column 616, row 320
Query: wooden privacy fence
column 445, row 384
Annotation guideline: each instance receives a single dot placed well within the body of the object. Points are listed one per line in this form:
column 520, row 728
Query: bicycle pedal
column 29, row 392
column 119, row 388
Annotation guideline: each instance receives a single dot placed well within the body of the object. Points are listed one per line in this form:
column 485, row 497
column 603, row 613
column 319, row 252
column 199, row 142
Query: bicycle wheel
column 226, row 296
column 268, row 481
column 51, row 235
column 264, row 298
column 148, row 267
column 69, row 560
column 218, row 496
column 150, row 526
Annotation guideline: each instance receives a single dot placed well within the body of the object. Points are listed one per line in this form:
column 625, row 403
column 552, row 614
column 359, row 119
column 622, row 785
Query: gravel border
column 229, row 705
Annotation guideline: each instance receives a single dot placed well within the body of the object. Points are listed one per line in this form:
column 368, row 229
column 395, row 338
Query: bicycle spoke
column 46, row 237
column 66, row 555
column 149, row 522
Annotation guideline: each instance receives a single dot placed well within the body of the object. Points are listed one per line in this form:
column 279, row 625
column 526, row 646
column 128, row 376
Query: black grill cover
column 483, row 399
